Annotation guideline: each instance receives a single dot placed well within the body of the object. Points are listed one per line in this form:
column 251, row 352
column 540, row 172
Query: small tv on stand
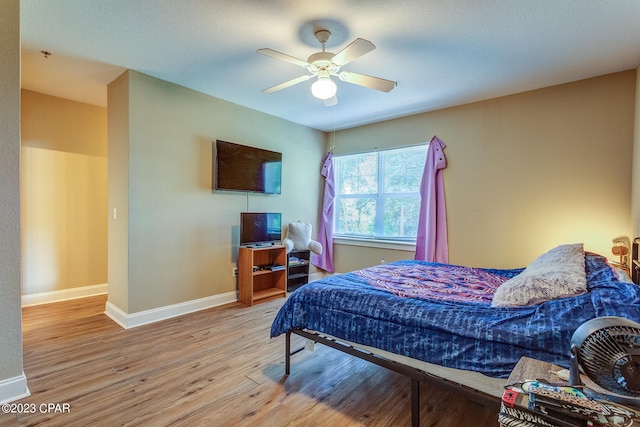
column 260, row 228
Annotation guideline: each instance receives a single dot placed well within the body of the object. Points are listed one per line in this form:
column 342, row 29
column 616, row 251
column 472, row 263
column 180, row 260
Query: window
column 378, row 193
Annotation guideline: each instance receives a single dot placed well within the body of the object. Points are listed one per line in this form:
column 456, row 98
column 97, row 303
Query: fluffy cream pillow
column 559, row 273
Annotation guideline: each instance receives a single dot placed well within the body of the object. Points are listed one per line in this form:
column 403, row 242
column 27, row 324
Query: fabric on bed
column 558, row 273
column 435, row 281
column 462, row 335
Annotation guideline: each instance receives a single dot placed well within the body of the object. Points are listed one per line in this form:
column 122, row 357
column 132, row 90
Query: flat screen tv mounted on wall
column 260, row 229
column 243, row 168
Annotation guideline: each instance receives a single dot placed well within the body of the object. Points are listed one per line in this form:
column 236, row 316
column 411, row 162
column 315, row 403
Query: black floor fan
column 607, row 350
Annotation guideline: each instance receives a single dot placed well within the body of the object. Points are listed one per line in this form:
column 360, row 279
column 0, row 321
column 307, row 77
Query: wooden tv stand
column 262, row 282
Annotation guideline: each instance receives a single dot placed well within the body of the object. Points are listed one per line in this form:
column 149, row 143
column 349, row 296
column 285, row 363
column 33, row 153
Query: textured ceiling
column 441, row 52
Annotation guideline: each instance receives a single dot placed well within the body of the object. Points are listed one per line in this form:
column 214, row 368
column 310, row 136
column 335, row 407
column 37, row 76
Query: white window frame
column 378, row 239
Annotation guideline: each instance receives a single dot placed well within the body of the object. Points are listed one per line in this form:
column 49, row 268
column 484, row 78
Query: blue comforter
column 463, row 335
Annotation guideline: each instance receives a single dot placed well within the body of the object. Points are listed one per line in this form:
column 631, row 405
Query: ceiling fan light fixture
column 324, row 88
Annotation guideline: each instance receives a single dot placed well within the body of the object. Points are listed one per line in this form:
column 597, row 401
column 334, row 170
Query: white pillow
column 559, row 273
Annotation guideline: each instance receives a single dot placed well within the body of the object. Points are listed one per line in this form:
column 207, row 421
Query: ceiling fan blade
column 377, row 83
column 282, row 56
column 356, row 49
column 330, row 102
column 287, row 84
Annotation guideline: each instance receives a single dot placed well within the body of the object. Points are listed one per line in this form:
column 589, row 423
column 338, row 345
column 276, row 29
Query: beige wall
column 10, row 312
column 635, row 193
column 181, row 239
column 525, row 172
column 64, row 194
column 118, row 192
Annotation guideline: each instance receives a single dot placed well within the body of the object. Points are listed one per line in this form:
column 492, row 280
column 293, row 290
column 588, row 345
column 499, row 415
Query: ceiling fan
column 324, row 64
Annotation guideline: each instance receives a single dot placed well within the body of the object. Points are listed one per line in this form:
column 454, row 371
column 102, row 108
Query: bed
column 449, row 334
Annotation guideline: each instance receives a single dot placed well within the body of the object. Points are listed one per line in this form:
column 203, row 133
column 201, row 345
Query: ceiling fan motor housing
column 608, row 351
column 321, row 61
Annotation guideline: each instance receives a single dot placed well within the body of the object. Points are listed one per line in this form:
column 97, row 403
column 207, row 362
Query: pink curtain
column 431, row 241
column 325, row 229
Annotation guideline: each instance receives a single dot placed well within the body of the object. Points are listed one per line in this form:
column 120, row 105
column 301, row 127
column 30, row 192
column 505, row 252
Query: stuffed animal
column 298, row 237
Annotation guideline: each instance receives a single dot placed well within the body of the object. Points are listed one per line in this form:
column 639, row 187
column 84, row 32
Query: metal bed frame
column 416, row 375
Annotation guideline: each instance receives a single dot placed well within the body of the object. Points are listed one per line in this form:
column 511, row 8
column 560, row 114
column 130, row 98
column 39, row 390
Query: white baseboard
column 140, row 318
column 13, row 389
column 64, row 294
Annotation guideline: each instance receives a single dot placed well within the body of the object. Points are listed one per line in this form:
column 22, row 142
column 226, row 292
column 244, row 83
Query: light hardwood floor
column 216, row 367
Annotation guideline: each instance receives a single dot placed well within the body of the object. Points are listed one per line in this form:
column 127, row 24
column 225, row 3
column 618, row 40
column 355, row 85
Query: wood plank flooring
column 216, row 367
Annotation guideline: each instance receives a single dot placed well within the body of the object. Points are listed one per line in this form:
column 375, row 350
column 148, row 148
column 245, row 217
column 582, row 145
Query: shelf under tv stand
column 262, row 284
column 266, row 293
